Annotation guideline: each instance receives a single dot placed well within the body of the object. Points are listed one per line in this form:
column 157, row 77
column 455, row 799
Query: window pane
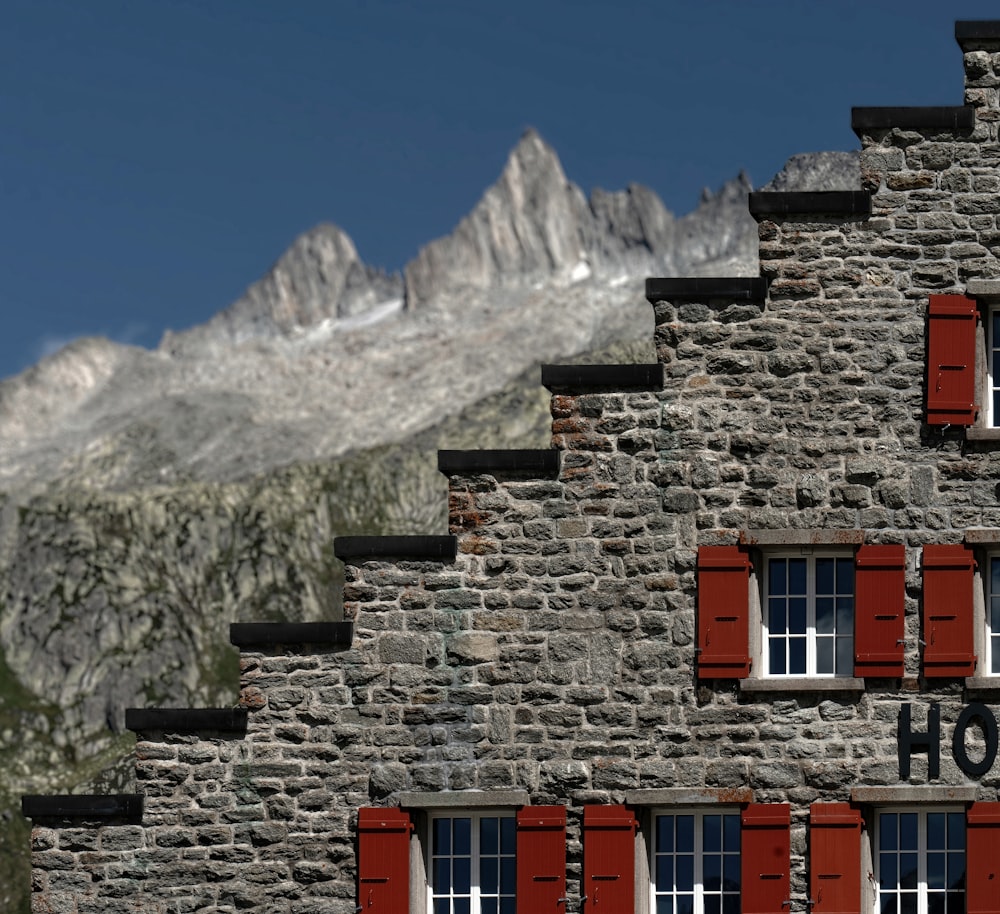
column 508, row 835
column 508, row 876
column 776, row 577
column 797, row 616
column 936, row 904
column 508, row 906
column 685, row 833
column 797, row 576
column 824, row 615
column 935, row 830
column 461, row 872
column 935, row 871
column 797, row 655
column 685, row 904
column 442, row 906
column 956, row 831
column 995, row 614
column 488, row 906
column 711, row 829
column 664, row 834
column 711, row 869
column 845, row 576
column 845, row 615
column 685, row 873
column 731, row 833
column 463, row 836
column 995, row 655
column 664, row 905
column 824, row 655
column 908, row 831
column 489, row 875
column 887, row 871
column 956, row 871
column 995, row 575
column 888, row 905
column 731, row 873
column 887, row 831
column 712, row 904
column 824, row 576
column 664, row 873
column 489, row 835
column 908, row 903
column 776, row 624
column 442, row 836
column 845, row 656
column 462, row 906
column 776, row 662
column 908, row 871
column 731, row 904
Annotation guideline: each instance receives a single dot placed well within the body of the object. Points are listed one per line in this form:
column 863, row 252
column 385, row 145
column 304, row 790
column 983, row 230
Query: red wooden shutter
column 765, row 851
column 879, row 588
column 541, row 859
column 608, row 859
column 951, row 360
column 834, row 858
column 982, row 863
column 384, row 860
column 948, row 637
column 723, row 612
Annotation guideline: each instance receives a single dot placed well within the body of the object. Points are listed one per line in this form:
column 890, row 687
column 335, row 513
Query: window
column 808, row 613
column 992, row 583
column 472, row 864
column 920, row 861
column 992, row 397
column 695, row 866
column 823, row 613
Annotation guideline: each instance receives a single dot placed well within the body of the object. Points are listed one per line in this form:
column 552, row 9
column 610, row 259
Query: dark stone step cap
column 537, row 462
column 972, row 30
column 958, row 117
column 811, row 202
column 83, row 806
column 707, row 288
column 611, row 377
column 267, row 634
column 410, row 547
column 186, row 720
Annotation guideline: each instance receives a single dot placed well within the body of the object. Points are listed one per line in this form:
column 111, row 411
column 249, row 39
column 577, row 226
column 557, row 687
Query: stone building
column 731, row 645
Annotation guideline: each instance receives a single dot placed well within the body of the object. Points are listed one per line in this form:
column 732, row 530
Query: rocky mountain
column 148, row 499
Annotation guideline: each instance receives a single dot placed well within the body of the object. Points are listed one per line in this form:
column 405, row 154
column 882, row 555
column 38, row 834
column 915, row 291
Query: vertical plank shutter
column 765, row 851
column 880, row 589
column 384, row 860
column 723, row 613
column 608, row 859
column 541, row 859
column 982, row 862
column 834, row 858
column 951, row 360
column 948, row 635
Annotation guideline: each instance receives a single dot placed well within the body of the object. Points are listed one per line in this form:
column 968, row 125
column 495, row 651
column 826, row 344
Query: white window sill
column 982, row 683
column 803, row 684
column 978, row 433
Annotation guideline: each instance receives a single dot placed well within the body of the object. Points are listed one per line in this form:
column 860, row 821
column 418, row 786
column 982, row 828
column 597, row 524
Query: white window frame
column 991, row 314
column 475, row 895
column 698, row 891
column 990, row 638
column 810, row 555
column 921, row 890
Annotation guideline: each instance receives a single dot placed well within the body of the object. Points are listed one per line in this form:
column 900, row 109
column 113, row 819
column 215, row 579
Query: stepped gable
column 750, row 600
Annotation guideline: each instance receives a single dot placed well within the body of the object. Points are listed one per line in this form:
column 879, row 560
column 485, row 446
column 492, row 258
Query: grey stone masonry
column 546, row 652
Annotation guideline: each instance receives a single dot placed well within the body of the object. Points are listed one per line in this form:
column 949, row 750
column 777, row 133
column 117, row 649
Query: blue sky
column 156, row 157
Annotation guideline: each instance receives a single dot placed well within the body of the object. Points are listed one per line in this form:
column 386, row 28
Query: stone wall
column 548, row 645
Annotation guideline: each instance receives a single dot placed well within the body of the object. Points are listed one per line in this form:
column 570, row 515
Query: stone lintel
column 269, row 634
column 955, row 117
column 971, row 31
column 803, row 684
column 83, row 806
column 805, row 537
column 460, row 799
column 400, row 547
column 688, row 796
column 534, row 461
column 847, row 203
column 883, row 796
column 726, row 290
column 983, row 288
column 603, row 377
column 186, row 720
column 982, row 536
column 977, row 433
